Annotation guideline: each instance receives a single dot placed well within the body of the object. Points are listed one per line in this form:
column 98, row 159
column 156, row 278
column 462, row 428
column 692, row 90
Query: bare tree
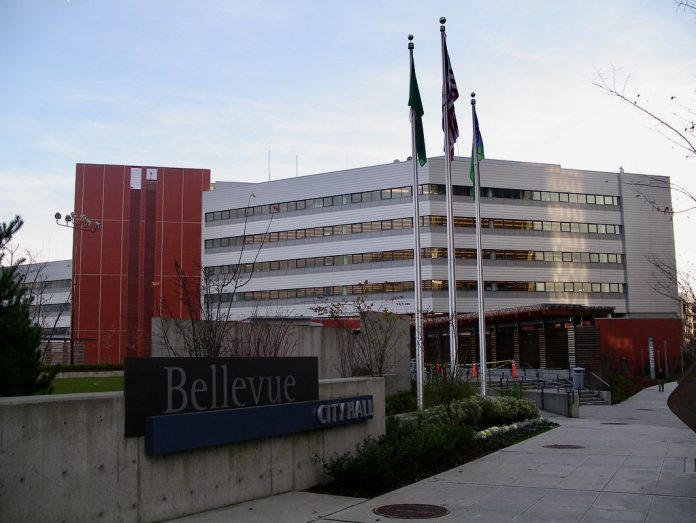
column 372, row 350
column 678, row 127
column 211, row 328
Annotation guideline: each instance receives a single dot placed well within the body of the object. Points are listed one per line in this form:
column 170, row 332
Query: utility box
column 578, row 377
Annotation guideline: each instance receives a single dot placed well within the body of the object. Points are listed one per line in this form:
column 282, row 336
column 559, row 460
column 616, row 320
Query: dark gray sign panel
column 174, row 386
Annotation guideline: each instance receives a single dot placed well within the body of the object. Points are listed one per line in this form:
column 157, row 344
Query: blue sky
column 217, row 84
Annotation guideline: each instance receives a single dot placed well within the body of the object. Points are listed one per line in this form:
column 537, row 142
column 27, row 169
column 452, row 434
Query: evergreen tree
column 20, row 339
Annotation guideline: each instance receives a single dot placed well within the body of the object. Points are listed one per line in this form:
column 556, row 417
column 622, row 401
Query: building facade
column 125, row 272
column 550, row 235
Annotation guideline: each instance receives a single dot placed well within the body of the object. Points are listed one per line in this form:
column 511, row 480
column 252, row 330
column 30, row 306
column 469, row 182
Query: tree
column 20, row 338
column 373, row 349
column 211, row 329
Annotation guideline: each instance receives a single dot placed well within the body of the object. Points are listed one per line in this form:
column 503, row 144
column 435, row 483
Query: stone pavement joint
column 641, row 471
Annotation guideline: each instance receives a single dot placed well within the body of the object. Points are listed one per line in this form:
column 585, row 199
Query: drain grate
column 613, row 423
column 411, row 511
column 557, row 446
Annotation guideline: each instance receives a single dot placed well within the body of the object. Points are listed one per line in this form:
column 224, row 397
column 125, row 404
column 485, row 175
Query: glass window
column 573, row 198
column 565, row 227
column 611, row 258
column 556, row 226
column 609, row 200
column 590, row 199
column 582, row 198
column 386, row 194
column 563, row 197
column 567, row 257
column 356, row 197
column 225, row 215
column 592, row 228
column 540, row 286
column 536, row 195
column 376, row 196
column 328, row 201
column 601, row 228
column 578, row 287
column 603, row 258
column 209, row 217
column 554, row 196
column 585, row 257
column 545, row 196
column 216, row 215
column 548, row 256
column 613, row 287
column 538, row 226
column 558, row 256
column 577, row 257
column 539, row 256
column 599, row 199
column 568, row 287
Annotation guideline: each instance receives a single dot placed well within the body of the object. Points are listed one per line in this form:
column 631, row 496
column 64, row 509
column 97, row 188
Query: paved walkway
column 637, row 462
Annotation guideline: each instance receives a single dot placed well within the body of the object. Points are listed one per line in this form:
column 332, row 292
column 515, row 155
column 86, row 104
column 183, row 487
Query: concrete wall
column 64, row 458
column 311, row 339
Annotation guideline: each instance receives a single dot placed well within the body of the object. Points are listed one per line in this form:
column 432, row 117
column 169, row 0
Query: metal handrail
column 600, row 383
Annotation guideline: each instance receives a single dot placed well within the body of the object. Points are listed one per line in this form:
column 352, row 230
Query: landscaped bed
column 436, row 440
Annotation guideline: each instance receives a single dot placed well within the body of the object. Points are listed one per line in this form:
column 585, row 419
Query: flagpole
column 479, row 253
column 451, row 253
column 417, row 280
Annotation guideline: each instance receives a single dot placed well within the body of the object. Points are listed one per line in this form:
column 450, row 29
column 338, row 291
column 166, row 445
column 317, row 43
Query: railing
column 594, row 382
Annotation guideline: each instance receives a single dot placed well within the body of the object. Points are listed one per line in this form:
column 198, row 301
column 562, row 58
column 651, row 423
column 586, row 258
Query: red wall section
column 124, row 273
column 628, row 338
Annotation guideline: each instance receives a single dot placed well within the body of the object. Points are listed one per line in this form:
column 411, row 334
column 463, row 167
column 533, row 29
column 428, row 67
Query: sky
column 323, row 86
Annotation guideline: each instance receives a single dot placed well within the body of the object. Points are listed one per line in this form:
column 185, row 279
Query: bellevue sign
column 187, row 403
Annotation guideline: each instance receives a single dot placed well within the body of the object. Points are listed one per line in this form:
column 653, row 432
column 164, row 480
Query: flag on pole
column 476, row 153
column 414, row 102
column 449, row 95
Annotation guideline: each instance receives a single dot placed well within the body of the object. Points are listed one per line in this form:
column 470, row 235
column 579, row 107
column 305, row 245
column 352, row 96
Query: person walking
column 660, row 375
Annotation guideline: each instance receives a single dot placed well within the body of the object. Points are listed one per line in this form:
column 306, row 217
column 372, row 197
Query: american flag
column 449, row 95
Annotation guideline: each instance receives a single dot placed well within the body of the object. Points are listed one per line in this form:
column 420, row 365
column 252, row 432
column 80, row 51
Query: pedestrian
column 660, row 375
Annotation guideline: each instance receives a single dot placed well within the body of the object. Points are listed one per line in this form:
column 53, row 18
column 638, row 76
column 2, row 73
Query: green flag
column 414, row 101
column 476, row 153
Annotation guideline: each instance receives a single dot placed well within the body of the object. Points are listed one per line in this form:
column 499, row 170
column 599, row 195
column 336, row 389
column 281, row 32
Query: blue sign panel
column 177, row 432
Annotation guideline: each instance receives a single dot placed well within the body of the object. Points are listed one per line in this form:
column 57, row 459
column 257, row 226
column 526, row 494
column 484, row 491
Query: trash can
column 578, row 377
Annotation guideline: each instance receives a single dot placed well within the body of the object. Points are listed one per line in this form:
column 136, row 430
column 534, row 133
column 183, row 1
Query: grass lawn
column 70, row 385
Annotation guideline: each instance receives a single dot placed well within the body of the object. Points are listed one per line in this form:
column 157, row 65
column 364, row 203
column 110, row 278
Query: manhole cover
column 613, row 423
column 411, row 511
column 557, row 446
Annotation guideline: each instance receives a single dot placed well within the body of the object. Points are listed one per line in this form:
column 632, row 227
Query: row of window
column 526, row 225
column 407, row 254
column 406, row 223
column 48, row 284
column 407, row 286
column 50, row 308
column 406, row 192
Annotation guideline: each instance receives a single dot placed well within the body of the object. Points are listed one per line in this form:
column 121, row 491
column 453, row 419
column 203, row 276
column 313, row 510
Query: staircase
column 591, row 397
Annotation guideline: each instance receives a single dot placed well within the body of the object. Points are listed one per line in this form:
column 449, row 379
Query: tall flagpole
column 417, row 285
column 479, row 251
column 451, row 253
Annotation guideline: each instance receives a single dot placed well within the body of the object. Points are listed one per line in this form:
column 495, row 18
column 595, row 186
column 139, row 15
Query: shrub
column 404, row 454
column 400, row 403
column 481, row 412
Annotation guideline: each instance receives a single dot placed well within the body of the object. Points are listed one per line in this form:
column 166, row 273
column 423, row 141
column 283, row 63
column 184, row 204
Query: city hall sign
column 188, row 403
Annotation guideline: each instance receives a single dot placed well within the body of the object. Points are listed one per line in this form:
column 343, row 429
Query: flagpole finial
column 473, row 98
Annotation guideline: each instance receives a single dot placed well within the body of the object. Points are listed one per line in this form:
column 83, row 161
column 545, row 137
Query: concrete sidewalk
column 634, row 462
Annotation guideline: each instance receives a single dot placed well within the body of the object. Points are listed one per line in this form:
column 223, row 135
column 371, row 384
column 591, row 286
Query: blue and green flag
column 476, row 153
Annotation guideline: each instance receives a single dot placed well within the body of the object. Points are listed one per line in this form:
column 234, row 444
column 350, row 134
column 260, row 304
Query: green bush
column 403, row 455
column 400, row 403
column 481, row 412
column 445, row 389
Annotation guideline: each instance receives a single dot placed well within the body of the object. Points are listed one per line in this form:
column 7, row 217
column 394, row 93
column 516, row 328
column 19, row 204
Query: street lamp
column 80, row 222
